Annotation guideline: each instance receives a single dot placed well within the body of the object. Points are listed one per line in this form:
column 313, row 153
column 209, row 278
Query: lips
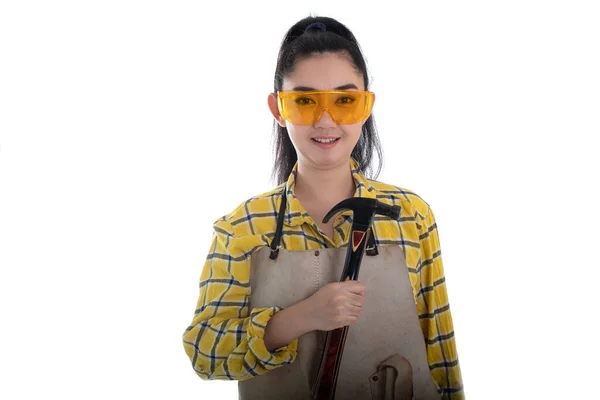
column 325, row 139
column 325, row 143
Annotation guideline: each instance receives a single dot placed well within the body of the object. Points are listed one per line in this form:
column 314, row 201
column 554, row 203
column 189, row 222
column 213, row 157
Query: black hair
column 298, row 44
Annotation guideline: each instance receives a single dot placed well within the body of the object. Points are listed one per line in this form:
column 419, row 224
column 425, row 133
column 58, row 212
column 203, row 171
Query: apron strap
column 275, row 242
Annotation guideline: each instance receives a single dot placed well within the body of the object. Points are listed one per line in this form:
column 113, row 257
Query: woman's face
column 327, row 71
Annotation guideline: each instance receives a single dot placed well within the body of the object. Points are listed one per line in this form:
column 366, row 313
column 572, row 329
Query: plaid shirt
column 225, row 338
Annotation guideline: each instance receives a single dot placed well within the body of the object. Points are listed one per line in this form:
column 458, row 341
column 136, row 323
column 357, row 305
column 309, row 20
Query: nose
column 325, row 119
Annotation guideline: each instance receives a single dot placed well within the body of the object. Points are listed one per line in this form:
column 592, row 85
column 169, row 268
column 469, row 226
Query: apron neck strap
column 275, row 242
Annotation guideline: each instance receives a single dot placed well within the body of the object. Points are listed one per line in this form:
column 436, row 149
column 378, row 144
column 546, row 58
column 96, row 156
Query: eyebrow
column 343, row 87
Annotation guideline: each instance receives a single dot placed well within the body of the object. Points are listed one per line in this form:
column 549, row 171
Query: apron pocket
column 393, row 380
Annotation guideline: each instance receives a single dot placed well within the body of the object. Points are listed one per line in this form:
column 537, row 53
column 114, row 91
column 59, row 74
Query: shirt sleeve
column 225, row 339
column 435, row 316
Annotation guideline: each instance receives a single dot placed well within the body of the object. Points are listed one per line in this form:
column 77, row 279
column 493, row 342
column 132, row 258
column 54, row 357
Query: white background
column 119, row 147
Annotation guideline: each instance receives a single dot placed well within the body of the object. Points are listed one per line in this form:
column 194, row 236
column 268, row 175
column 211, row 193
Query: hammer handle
column 335, row 340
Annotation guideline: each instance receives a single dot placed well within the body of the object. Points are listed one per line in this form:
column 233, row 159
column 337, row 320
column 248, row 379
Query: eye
column 304, row 101
column 345, row 100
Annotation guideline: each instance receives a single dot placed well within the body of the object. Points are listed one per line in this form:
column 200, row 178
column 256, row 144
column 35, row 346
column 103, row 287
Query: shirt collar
column 295, row 214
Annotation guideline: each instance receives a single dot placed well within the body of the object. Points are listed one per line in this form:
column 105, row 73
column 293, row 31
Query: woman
column 270, row 289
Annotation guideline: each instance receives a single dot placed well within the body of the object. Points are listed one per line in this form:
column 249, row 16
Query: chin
column 327, row 160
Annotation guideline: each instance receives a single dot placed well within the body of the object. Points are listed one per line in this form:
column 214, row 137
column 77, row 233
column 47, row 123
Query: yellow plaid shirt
column 225, row 338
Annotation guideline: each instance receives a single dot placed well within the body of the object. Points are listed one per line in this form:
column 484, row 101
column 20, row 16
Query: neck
column 325, row 186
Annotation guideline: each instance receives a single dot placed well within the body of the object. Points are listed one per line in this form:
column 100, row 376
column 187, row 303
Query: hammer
column 364, row 210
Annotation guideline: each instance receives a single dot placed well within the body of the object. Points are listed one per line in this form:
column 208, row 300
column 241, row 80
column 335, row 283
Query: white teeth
column 325, row 140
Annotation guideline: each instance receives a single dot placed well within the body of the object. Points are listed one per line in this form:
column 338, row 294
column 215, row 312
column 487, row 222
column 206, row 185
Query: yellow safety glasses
column 306, row 108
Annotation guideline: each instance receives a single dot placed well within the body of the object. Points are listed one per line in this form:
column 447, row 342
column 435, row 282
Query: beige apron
column 384, row 355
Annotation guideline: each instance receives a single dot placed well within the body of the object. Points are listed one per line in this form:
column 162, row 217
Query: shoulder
column 253, row 216
column 412, row 203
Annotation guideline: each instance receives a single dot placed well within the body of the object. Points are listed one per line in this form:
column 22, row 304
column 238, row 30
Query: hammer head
column 364, row 210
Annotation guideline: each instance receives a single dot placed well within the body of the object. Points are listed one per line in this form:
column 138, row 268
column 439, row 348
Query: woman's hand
column 335, row 305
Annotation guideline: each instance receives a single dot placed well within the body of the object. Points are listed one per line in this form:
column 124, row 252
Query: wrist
column 304, row 315
column 286, row 325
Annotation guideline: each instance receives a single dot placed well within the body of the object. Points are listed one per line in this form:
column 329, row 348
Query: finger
column 355, row 312
column 357, row 301
column 357, row 298
column 356, row 287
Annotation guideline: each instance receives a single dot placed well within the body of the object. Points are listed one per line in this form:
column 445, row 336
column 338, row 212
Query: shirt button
column 201, row 368
column 316, row 252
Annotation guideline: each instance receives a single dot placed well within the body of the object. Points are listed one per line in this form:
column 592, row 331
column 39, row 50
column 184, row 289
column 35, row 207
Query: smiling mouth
column 325, row 140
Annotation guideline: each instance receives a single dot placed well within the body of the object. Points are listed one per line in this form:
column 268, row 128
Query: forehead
column 323, row 71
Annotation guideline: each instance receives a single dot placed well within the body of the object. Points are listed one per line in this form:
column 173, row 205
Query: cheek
column 296, row 133
column 353, row 131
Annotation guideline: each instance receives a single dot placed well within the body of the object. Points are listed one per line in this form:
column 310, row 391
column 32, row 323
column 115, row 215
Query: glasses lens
column 306, row 108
